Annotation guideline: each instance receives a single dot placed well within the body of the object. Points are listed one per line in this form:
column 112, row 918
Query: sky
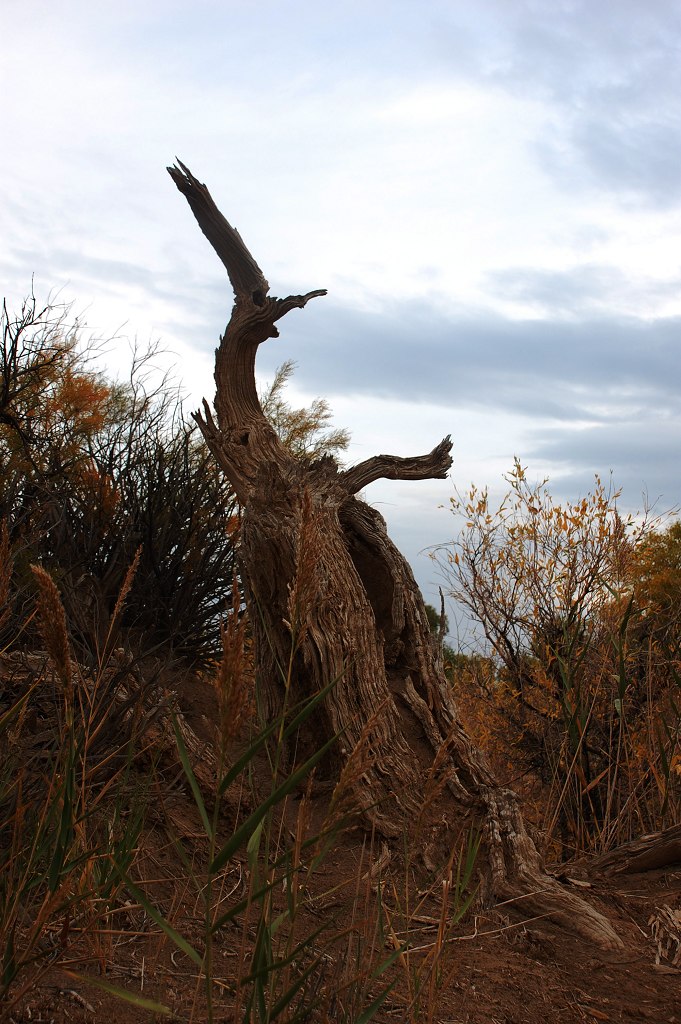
column 490, row 192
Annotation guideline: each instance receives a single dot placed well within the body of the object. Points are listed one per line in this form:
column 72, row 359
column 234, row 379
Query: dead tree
column 316, row 562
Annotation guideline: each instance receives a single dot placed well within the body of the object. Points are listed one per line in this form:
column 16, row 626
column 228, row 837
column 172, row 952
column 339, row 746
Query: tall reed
column 64, row 819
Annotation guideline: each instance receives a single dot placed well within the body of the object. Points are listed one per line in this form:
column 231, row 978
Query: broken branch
column 248, row 280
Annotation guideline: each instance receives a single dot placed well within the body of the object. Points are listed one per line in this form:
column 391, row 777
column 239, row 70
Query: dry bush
column 575, row 695
column 93, row 469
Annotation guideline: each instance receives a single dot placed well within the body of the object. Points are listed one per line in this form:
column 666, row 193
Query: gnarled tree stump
column 317, row 563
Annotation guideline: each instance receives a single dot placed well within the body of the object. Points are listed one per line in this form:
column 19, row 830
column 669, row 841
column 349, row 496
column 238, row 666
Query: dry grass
column 91, row 862
column 598, row 768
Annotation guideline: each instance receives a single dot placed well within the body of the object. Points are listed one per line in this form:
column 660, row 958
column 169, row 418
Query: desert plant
column 69, row 809
column 91, row 470
column 567, row 681
column 305, row 432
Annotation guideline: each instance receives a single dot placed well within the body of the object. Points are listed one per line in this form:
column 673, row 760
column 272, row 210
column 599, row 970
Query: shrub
column 574, row 708
column 90, row 471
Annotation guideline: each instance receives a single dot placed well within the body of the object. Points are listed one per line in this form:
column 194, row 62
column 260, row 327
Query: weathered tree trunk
column 321, row 572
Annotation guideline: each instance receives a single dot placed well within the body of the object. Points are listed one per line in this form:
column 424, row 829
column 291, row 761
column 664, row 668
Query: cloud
column 411, row 351
column 641, row 453
column 636, row 157
column 609, row 76
column 620, row 102
column 583, row 291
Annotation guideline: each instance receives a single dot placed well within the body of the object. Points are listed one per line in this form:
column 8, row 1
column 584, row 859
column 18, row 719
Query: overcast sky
column 490, row 191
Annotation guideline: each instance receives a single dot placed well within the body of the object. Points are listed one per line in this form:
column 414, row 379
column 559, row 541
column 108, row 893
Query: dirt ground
column 491, row 971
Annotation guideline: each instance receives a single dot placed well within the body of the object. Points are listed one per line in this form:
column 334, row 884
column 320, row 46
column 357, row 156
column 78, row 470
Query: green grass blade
column 8, row 717
column 186, row 863
column 278, row 921
column 129, row 997
column 253, row 846
column 239, row 907
column 389, row 961
column 374, row 1007
column 9, row 963
column 308, row 707
column 244, row 832
column 189, row 772
column 160, row 920
column 247, row 756
column 65, row 832
column 276, row 965
column 306, row 710
column 463, row 906
column 287, row 997
column 661, row 750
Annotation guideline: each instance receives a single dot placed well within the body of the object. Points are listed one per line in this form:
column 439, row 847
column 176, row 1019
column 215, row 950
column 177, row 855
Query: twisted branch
column 433, row 466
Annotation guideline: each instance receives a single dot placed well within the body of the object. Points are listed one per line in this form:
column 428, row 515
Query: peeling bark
column 317, row 563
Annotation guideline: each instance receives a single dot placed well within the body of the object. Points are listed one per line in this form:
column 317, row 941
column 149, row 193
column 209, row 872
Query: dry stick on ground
column 647, row 853
column 305, row 533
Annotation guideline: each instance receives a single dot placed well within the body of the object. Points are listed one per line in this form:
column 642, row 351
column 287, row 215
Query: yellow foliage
column 78, row 402
column 576, row 701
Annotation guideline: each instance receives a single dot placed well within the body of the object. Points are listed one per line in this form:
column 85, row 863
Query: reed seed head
column 52, row 624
